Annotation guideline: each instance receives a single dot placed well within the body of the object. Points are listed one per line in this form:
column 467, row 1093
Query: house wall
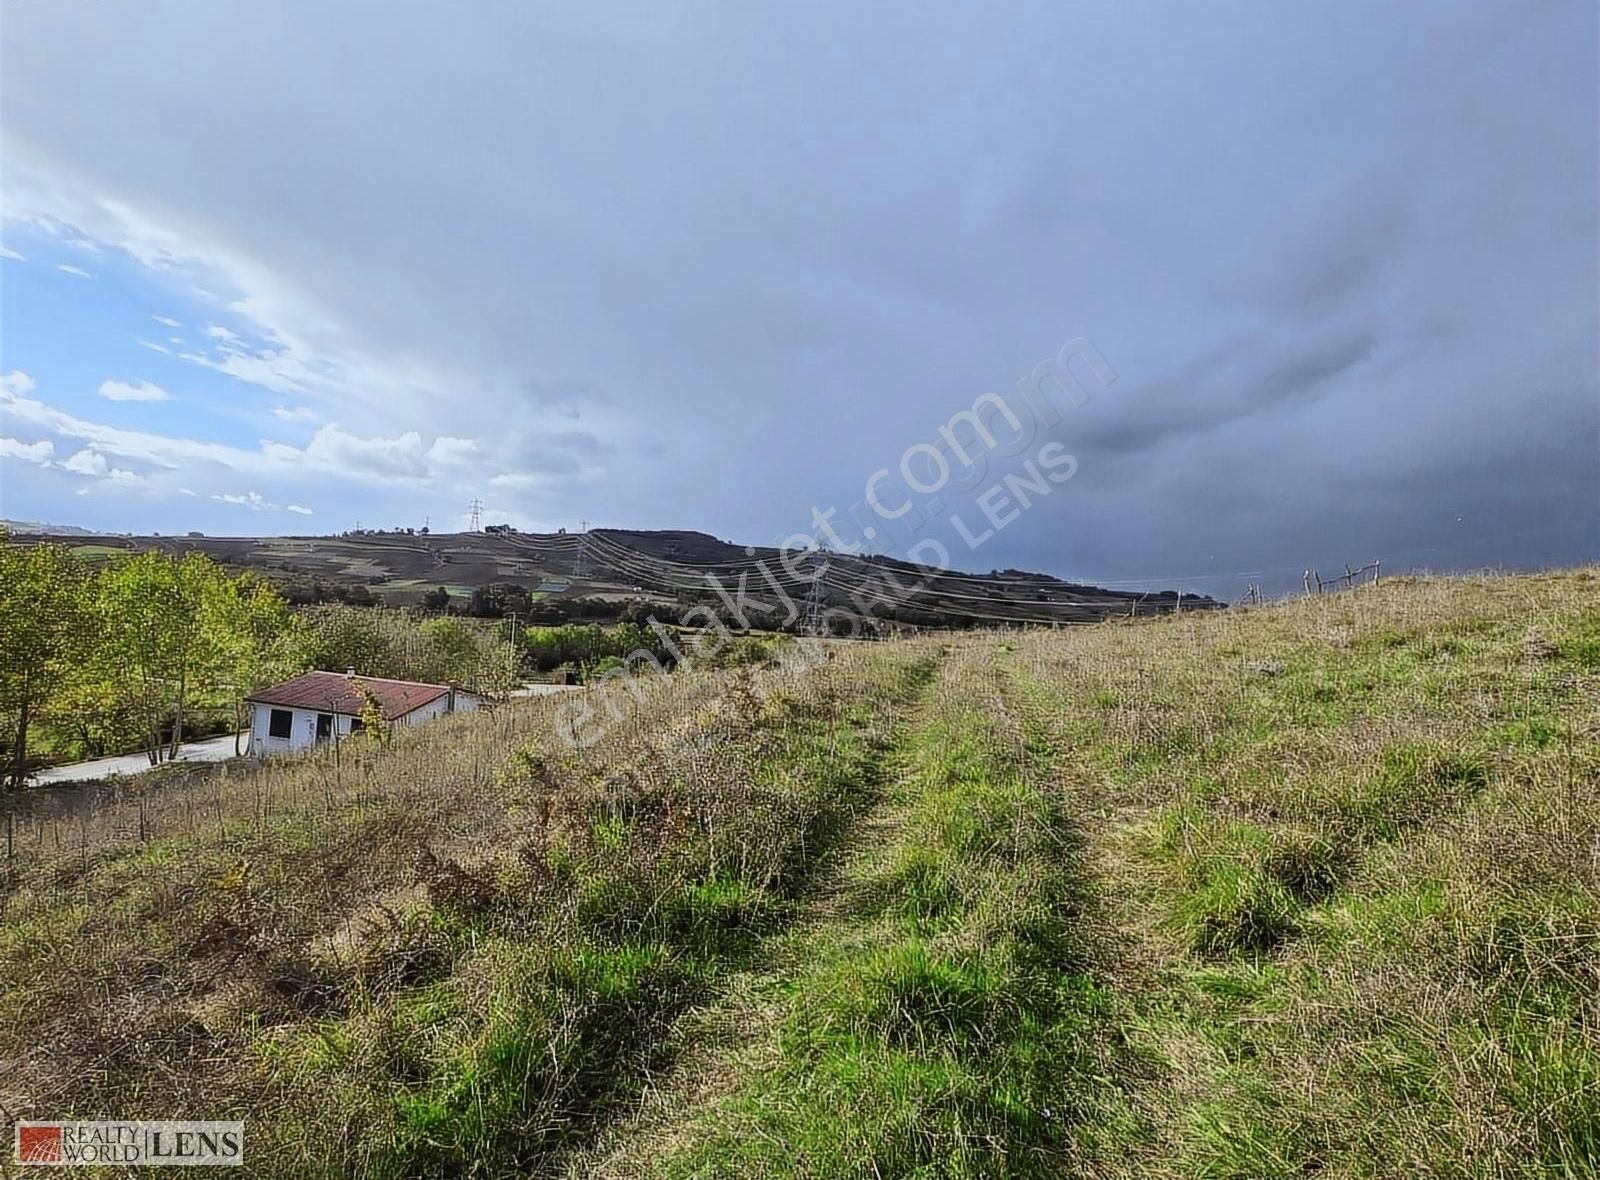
column 303, row 732
column 465, row 703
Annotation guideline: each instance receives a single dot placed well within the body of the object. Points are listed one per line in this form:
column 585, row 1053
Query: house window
column 280, row 724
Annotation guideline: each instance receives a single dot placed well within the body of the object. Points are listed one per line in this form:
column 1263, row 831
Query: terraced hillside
column 1309, row 890
column 611, row 568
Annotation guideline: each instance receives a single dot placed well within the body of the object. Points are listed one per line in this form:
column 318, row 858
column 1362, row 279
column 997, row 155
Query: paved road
column 217, row 749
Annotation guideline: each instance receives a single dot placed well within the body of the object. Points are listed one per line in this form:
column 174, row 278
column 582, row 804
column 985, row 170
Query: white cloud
column 121, row 391
column 6, row 252
column 167, row 320
column 39, row 452
column 376, row 460
column 517, row 520
column 218, row 332
column 396, row 458
column 92, row 463
column 299, row 510
column 450, row 450
column 275, row 369
column 516, row 481
column 157, row 449
column 87, row 462
column 73, row 270
column 294, row 413
column 254, row 501
column 161, row 348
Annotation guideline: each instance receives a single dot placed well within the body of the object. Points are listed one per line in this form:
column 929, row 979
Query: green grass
column 962, row 1032
column 422, row 585
column 97, row 554
column 1350, row 849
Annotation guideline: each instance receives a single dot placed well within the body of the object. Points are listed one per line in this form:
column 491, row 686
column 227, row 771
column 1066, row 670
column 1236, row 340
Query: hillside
column 610, row 568
column 1304, row 890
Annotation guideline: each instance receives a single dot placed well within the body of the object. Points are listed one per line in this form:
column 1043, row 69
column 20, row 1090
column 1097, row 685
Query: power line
column 581, row 570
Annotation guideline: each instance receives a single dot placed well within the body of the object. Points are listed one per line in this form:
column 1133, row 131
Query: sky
column 1324, row 275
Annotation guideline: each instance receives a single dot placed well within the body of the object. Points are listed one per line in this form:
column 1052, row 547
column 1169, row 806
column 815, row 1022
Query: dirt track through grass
column 735, row 1037
column 938, row 1009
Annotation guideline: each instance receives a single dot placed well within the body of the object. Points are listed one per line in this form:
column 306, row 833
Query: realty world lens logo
column 170, row 1144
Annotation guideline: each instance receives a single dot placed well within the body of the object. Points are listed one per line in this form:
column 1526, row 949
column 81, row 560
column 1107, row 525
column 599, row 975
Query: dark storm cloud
column 1337, row 254
column 697, row 267
column 1251, row 381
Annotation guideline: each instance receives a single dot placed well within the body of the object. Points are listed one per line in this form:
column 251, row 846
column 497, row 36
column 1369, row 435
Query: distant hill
column 607, row 572
column 33, row 527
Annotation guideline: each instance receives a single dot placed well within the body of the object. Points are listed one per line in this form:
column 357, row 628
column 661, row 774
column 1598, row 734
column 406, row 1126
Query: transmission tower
column 476, row 508
column 814, row 603
column 582, row 568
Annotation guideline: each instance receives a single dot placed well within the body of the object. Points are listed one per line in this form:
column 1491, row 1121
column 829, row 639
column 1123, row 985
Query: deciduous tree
column 158, row 621
column 42, row 631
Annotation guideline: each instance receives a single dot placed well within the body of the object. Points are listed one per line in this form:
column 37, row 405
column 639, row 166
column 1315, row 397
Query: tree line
column 129, row 657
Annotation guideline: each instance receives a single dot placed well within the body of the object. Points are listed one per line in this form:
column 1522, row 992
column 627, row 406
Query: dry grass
column 1351, row 846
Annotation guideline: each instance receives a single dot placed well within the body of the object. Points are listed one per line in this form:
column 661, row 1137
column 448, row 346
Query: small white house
column 325, row 706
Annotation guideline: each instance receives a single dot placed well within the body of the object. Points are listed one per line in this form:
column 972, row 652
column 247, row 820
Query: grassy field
column 1307, row 890
column 98, row 554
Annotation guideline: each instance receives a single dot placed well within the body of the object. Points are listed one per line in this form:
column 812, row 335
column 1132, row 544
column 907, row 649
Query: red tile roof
column 334, row 692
